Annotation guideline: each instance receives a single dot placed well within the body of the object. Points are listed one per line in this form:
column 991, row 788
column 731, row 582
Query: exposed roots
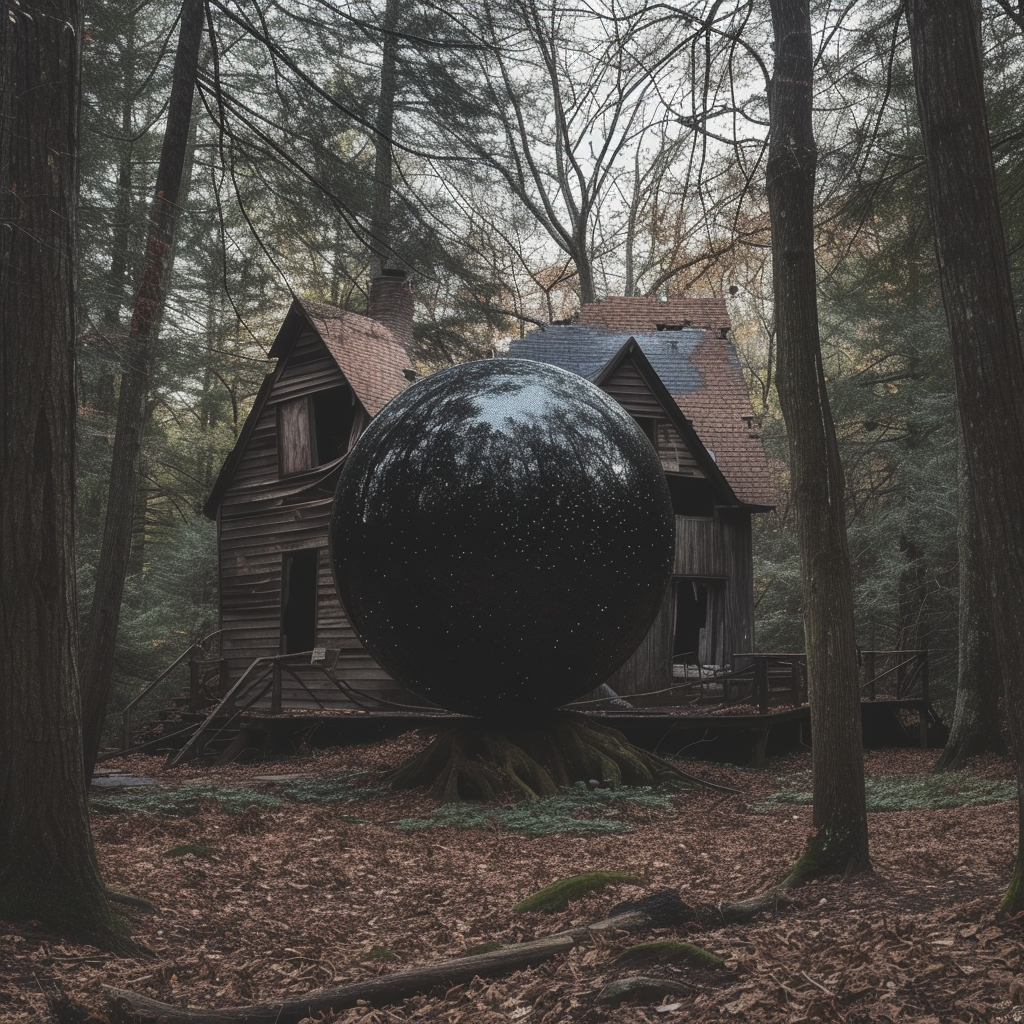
column 526, row 761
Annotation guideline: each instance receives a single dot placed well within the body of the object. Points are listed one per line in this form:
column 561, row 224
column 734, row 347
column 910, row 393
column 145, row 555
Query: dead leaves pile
column 305, row 896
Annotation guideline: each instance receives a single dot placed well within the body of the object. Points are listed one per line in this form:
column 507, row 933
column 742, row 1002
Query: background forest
column 517, row 158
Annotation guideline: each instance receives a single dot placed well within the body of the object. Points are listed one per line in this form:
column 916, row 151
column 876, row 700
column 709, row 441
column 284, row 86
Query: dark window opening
column 691, row 617
column 691, row 496
column 675, row 327
column 298, row 601
column 650, row 428
column 334, row 413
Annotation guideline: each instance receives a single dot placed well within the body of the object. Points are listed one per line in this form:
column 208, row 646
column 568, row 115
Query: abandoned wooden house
column 671, row 365
column 272, row 500
column 289, row 661
column 335, row 370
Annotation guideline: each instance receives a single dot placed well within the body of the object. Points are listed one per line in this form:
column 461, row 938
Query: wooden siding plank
column 698, row 548
column 650, row 666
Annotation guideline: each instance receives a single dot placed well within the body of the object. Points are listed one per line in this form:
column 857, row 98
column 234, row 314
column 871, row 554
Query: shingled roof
column 685, row 342
column 643, row 313
column 364, row 350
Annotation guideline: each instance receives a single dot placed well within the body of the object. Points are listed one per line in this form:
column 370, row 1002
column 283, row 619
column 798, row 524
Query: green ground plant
column 579, row 811
column 184, row 801
column 914, row 792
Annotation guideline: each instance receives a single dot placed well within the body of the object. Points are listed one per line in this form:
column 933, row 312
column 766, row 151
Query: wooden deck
column 741, row 738
column 754, row 708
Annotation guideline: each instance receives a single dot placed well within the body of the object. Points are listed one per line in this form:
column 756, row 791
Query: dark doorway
column 691, row 616
column 298, row 601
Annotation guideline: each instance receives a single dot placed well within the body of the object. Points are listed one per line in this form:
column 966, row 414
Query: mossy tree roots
column 482, row 760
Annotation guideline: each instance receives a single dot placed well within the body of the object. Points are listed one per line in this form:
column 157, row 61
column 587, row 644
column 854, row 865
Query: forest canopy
column 537, row 156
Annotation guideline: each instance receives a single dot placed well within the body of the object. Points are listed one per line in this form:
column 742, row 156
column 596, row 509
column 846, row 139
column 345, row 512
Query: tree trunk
column 380, row 226
column 48, row 868
column 125, row 1006
column 115, row 550
column 977, row 721
column 978, row 300
column 840, row 840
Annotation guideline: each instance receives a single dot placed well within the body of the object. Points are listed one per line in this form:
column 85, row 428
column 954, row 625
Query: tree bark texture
column 977, row 720
column 380, row 225
column 840, row 841
column 48, row 868
column 115, row 548
column 978, row 299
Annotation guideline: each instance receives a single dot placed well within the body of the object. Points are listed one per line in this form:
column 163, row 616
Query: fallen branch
column 133, row 1008
column 740, row 911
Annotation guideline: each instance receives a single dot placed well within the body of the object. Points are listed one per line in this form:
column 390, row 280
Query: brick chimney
column 391, row 303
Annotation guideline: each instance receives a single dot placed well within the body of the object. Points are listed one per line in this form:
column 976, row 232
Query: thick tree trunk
column 115, row 550
column 380, row 225
column 978, row 299
column 840, row 841
column 48, row 869
column 977, row 720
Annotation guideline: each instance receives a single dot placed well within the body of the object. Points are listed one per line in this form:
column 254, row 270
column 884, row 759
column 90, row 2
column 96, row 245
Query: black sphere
column 502, row 536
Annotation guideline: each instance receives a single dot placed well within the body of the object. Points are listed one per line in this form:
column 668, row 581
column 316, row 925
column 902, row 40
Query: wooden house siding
column 263, row 516
column 716, row 555
column 699, row 548
column 649, row 667
column 273, row 501
column 736, row 540
column 253, row 550
column 632, row 392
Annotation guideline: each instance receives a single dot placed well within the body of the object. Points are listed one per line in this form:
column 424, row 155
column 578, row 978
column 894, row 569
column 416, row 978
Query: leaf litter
column 311, row 889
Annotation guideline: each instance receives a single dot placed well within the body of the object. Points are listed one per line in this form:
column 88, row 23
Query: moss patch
column 193, row 849
column 560, row 894
column 484, row 947
column 379, row 953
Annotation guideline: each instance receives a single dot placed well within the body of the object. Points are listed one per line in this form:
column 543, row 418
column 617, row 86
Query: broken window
column 691, row 496
column 649, row 427
column 334, row 416
column 315, row 429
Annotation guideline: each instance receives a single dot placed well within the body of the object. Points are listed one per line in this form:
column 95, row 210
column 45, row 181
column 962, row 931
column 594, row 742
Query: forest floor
column 265, row 889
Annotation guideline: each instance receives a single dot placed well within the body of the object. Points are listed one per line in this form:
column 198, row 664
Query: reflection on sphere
column 502, row 537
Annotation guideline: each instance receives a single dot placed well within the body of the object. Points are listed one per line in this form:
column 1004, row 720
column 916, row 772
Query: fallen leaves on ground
column 304, row 895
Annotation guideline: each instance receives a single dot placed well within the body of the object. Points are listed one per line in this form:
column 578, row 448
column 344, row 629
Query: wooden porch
column 756, row 706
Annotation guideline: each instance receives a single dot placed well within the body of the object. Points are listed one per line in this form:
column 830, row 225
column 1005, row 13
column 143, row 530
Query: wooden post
column 923, row 720
column 869, row 673
column 794, row 673
column 193, row 685
column 761, row 684
column 760, row 742
column 275, row 690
